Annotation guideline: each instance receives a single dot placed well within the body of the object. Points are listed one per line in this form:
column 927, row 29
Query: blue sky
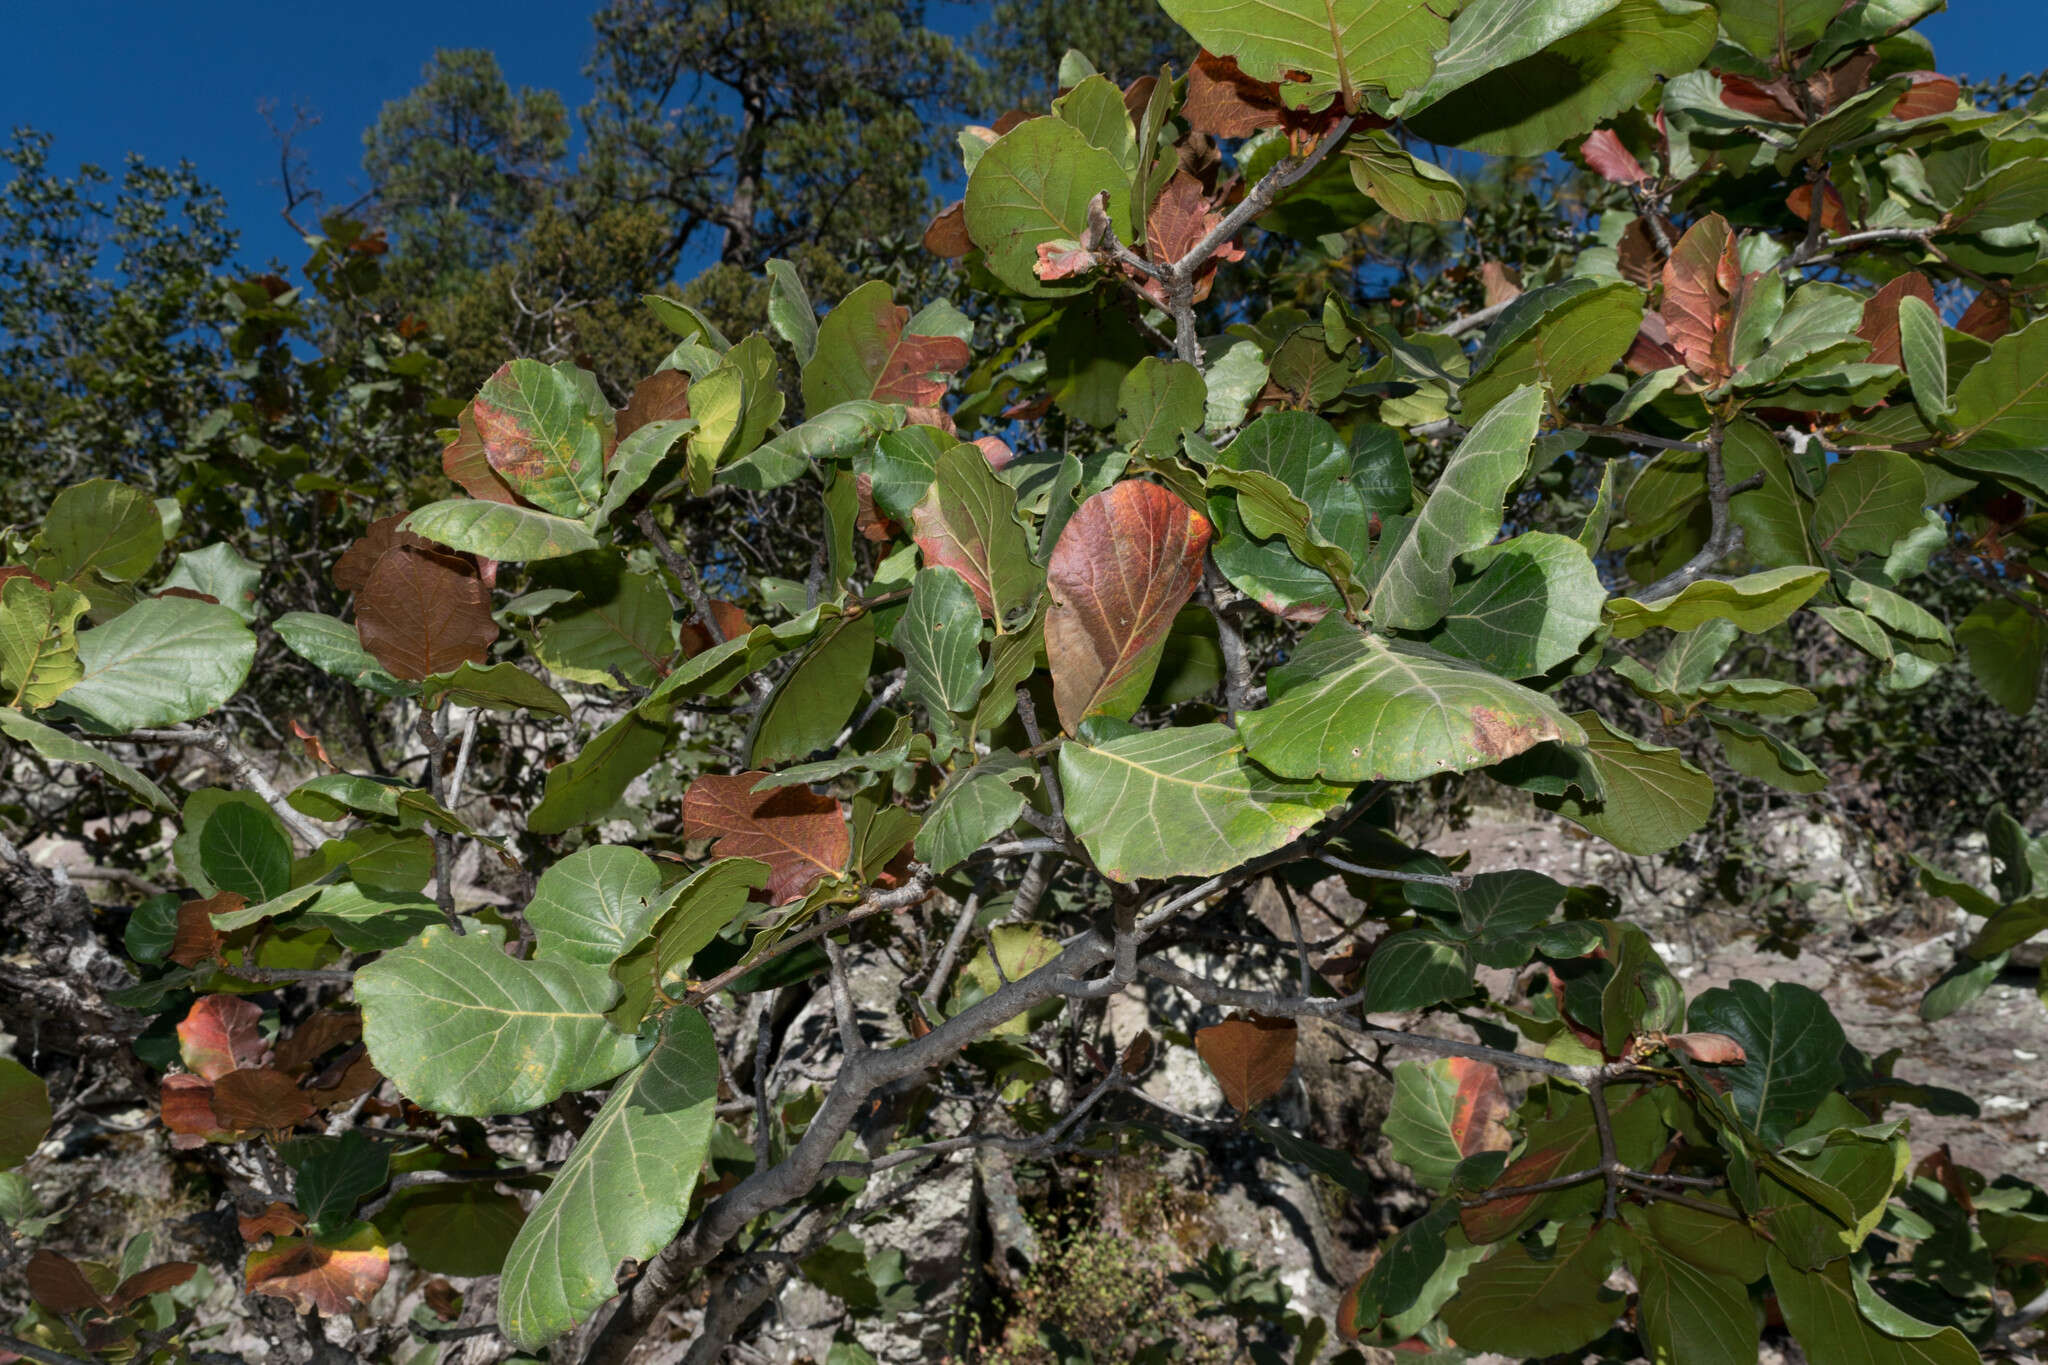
column 187, row 78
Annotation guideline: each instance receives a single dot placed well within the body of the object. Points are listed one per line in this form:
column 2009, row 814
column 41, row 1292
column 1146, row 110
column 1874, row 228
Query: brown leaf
column 154, row 1280
column 325, row 1278
column 1834, row 216
column 1771, row 100
column 189, row 594
column 1125, row 564
column 1880, row 325
column 441, row 1299
column 315, row 748
column 946, row 235
column 1988, row 317
column 1708, row 1049
column 799, row 833
column 276, row 1220
column 8, row 571
column 220, row 1034
column 1137, row 1055
column 1496, row 1218
column 1701, row 281
column 1180, row 218
column 465, row 461
column 1223, row 101
column 352, row 571
column 1061, row 259
column 662, row 396
column 259, row 1099
column 1605, row 153
column 1930, row 93
column 1501, row 282
column 348, row 1076
column 1250, row 1058
column 1940, row 1167
column 937, row 417
column 915, row 370
column 186, row 1105
column 423, row 613
column 315, row 1038
column 995, row 450
column 1637, row 254
column 57, row 1283
column 1651, row 350
column 196, row 940
column 695, row 639
column 1479, row 1115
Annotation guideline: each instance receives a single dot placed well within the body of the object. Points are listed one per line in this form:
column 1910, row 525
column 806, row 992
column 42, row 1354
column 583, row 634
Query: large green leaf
column 1521, row 76
column 1354, row 707
column 222, row 573
column 1755, row 602
column 972, row 808
column 38, row 642
column 1528, row 607
column 622, row 1193
column 233, row 841
column 1792, row 1049
column 461, row 1028
column 1294, row 479
column 639, row 457
column 1649, row 797
column 1464, row 512
column 2002, row 403
column 1182, row 801
column 1316, row 48
column 586, row 786
column 1555, row 337
column 1440, row 1115
column 818, row 696
column 1033, row 186
column 967, row 521
column 1160, row 401
column 834, row 434
column 734, row 406
column 101, row 527
column 1821, row 1309
column 499, row 530
column 162, row 661
column 627, row 625
column 540, row 434
column 333, row 647
column 1684, row 1312
column 939, row 637
column 62, row 748
column 1870, row 502
column 2006, row 644
column 500, row 687
column 1774, row 515
column 685, row 918
column 593, row 905
column 1539, row 1301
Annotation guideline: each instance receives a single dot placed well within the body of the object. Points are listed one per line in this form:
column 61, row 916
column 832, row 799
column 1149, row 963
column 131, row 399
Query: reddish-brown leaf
column 1125, row 564
column 220, row 1034
column 1709, row 1049
column 1834, row 215
column 1224, row 102
column 1250, row 1058
column 946, row 234
column 1772, row 100
column 1940, row 1167
column 799, row 833
column 1605, row 153
column 1179, row 219
column 1700, row 284
column 1496, row 1218
column 695, row 639
column 423, row 613
column 190, row 594
column 1479, row 1115
column 1638, row 256
column 325, row 1278
column 1501, row 282
column 1651, row 350
column 258, row 1098
column 1061, row 259
column 995, row 450
column 187, row 1107
column 348, row 1076
column 441, row 1299
column 1931, row 93
column 1880, row 325
column 1831, row 87
column 1988, row 317
column 352, row 571
column 465, row 461
column 154, row 1280
column 915, row 371
column 276, row 1220
column 662, row 396
column 8, row 571
column 196, row 940
column 57, row 1283
column 315, row 748
column 1137, row 1055
column 315, row 1038
column 937, row 417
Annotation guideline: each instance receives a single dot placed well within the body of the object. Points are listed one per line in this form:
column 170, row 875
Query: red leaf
column 196, row 940
column 1223, row 101
column 441, row 1299
column 1773, row 101
column 799, row 833
column 1700, row 285
column 695, row 639
column 1638, row 256
column 315, row 749
column 662, row 396
column 1880, row 325
column 1988, row 317
column 8, row 571
column 1180, row 218
column 259, row 1099
column 1478, row 1121
column 1605, row 153
column 154, row 1280
column 219, row 1034
column 352, row 571
column 1651, row 350
column 329, row 1278
column 995, row 450
column 423, row 613
column 186, row 1103
column 275, row 1221
column 60, row 1286
column 1128, row 560
column 465, row 461
column 1495, row 1219
column 1709, row 1049
column 1061, row 259
column 1940, row 1167
column 1250, row 1058
column 348, row 1076
column 946, row 235
column 914, row 373
column 1834, row 216
column 1931, row 93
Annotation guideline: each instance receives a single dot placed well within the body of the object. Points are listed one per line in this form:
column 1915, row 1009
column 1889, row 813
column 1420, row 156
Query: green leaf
column 1353, row 707
column 627, row 625
column 1650, row 799
column 974, row 806
column 637, row 460
column 333, row 647
column 498, row 530
column 541, row 436
column 1820, row 1307
column 1762, row 755
column 1774, row 515
column 1316, row 48
column 62, row 748
column 1959, row 985
column 1407, row 187
column 99, row 527
column 2002, row 403
column 2006, row 644
column 835, row 434
column 1032, row 186
column 1925, row 355
column 163, row 661
column 1870, row 501
column 790, row 311
column 1556, row 336
column 38, row 642
column 1160, row 402
column 1434, row 1110
column 1755, row 602
column 499, row 687
column 1181, row 802
column 685, row 918
column 221, row 573
column 1537, row 1301
column 1501, row 914
column 1521, row 76
column 2010, row 927
column 233, row 841
column 1414, row 969
column 461, row 1028
column 1684, row 1312
column 734, row 406
column 902, row 467
column 1530, row 606
column 585, row 787
column 623, row 1192
column 330, row 1174
column 811, row 704
column 1315, row 507
column 1464, row 512
column 24, row 1113
column 593, row 905
column 1792, row 1046
column 939, row 636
